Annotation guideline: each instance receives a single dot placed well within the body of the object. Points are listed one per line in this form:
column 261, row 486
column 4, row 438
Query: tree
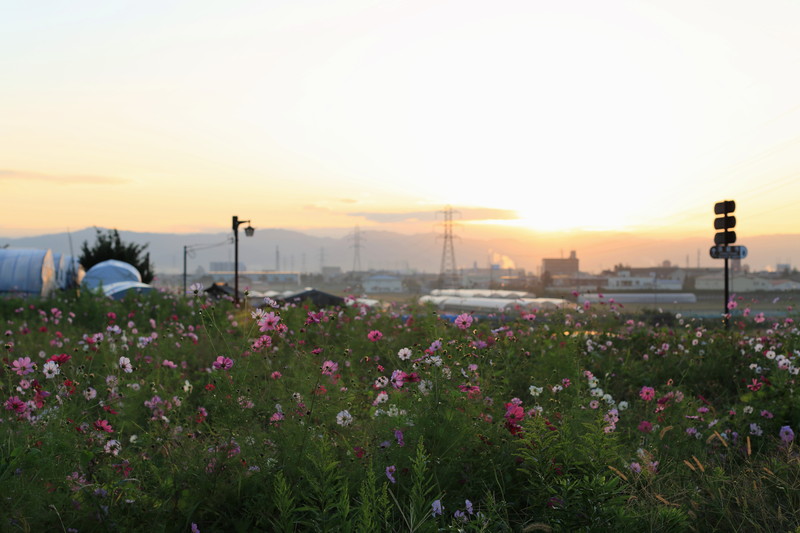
column 110, row 246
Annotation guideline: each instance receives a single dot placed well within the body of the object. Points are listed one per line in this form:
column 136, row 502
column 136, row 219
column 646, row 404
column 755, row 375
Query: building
column 644, row 279
column 382, row 283
column 716, row 282
column 330, row 273
column 562, row 266
column 223, row 266
column 493, row 277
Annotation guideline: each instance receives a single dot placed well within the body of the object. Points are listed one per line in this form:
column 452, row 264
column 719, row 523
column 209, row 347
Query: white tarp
column 27, row 272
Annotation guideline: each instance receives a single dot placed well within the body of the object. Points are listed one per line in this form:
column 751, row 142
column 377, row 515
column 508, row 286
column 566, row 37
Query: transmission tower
column 357, row 237
column 448, row 277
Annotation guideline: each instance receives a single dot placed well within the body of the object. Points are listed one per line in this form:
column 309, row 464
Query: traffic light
column 726, row 223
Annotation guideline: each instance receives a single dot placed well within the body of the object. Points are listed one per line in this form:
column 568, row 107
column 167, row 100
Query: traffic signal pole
column 726, row 311
column 723, row 247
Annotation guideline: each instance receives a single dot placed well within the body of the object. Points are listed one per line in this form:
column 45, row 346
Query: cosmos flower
column 22, row 366
column 51, row 369
column 647, row 393
column 125, row 364
column 344, row 418
column 463, row 321
column 222, row 363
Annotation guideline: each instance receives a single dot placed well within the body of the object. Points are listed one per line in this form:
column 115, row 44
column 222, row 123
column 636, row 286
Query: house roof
column 316, row 297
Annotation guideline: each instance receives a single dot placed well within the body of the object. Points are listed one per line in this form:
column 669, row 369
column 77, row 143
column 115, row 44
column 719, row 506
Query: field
column 163, row 413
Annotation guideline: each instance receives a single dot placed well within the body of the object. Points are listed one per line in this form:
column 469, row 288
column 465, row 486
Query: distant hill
column 381, row 250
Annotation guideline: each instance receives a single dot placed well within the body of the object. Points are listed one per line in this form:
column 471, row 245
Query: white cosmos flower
column 344, row 418
column 125, row 364
column 51, row 369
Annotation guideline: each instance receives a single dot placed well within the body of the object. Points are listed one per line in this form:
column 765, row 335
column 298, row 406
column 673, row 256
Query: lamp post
column 249, row 232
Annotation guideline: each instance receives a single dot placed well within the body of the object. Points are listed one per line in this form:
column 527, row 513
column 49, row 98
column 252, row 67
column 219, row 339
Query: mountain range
column 282, row 249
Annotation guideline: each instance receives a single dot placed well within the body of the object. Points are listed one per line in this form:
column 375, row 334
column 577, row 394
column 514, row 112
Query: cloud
column 466, row 213
column 62, row 180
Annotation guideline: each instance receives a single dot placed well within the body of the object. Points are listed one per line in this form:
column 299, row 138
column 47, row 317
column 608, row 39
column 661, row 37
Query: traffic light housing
column 726, row 222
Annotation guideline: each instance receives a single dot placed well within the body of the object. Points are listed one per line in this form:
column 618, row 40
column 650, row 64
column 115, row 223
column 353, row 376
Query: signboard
column 728, row 252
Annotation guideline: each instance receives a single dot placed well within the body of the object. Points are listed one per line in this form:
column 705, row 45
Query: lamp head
column 249, row 230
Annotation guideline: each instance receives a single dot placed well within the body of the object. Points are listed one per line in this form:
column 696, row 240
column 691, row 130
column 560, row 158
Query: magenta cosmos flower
column 374, row 335
column 16, row 405
column 222, row 363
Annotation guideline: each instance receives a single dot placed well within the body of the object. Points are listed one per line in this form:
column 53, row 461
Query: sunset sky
column 322, row 115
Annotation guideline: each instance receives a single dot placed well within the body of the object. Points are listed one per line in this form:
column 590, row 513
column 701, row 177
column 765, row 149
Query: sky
column 323, row 115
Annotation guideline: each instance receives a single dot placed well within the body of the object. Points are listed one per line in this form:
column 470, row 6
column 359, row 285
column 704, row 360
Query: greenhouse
column 69, row 271
column 27, row 272
column 115, row 279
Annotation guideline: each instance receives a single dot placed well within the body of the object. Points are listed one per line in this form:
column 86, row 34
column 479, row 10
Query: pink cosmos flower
column 647, row 393
column 103, row 425
column 264, row 341
column 269, row 322
column 463, row 321
column 398, row 378
column 329, row 368
column 22, row 366
column 374, row 335
column 645, row 426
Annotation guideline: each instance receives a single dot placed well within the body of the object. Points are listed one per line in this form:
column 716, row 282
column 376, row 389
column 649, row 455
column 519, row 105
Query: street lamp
column 249, row 232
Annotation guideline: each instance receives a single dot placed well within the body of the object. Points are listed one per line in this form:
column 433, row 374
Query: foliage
column 165, row 413
column 109, row 245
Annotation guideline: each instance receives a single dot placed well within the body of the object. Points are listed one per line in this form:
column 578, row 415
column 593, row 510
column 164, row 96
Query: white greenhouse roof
column 110, row 271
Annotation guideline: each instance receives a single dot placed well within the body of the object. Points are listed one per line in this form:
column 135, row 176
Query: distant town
column 559, row 277
column 405, row 268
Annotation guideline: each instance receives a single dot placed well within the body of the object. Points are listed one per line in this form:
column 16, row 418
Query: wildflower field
column 164, row 413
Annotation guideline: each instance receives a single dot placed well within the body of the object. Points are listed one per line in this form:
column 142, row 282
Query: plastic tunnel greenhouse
column 27, row 272
column 115, row 279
